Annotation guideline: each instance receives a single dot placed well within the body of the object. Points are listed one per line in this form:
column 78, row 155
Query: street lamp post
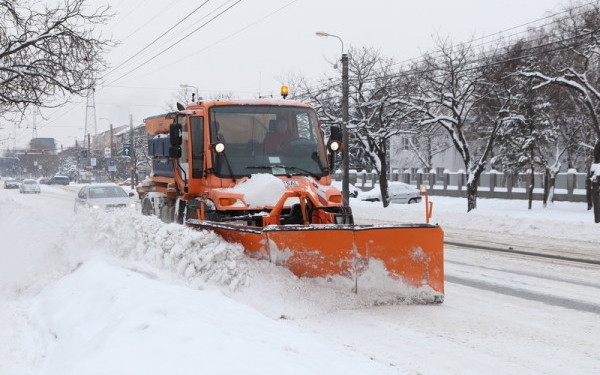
column 194, row 95
column 133, row 154
column 110, row 125
column 345, row 118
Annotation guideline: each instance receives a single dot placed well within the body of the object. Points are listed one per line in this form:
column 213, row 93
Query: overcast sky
column 250, row 48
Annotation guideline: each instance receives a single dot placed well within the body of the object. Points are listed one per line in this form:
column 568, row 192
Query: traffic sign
column 126, row 149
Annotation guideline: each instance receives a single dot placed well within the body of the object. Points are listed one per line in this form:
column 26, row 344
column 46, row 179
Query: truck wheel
column 167, row 213
column 147, row 207
column 181, row 208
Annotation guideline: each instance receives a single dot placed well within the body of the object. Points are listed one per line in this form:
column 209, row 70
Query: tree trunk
column 383, row 180
column 471, row 195
column 530, row 188
column 594, row 182
column 588, row 192
column 596, row 199
column 546, row 187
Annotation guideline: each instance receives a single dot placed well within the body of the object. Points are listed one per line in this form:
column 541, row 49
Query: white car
column 29, row 186
column 352, row 190
column 399, row 193
column 104, row 196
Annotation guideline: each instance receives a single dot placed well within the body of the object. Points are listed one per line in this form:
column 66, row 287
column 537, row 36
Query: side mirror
column 175, row 152
column 334, row 144
column 335, row 139
column 336, row 134
column 175, row 134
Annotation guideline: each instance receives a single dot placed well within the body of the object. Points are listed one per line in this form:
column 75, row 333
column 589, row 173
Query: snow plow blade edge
column 412, row 253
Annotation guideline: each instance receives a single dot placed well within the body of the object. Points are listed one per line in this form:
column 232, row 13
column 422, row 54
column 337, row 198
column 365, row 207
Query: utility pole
column 90, row 117
column 112, row 144
column 112, row 152
column 133, row 161
column 345, row 118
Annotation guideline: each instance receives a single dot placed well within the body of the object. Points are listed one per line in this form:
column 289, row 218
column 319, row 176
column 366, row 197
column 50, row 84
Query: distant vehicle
column 29, row 186
column 127, row 182
column 59, row 180
column 103, row 196
column 43, row 180
column 352, row 190
column 11, row 183
column 399, row 193
column 85, row 177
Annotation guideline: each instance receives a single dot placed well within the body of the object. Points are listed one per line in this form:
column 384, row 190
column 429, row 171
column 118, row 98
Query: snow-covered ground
column 121, row 293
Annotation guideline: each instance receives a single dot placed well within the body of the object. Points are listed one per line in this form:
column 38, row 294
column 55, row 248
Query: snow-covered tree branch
column 46, row 53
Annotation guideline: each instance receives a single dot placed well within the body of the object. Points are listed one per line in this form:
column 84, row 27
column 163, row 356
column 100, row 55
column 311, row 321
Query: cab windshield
column 281, row 140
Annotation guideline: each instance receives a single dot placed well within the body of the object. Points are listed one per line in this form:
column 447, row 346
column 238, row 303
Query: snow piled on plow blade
column 201, row 258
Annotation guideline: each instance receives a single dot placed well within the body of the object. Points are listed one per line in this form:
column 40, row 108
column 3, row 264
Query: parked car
column 59, row 180
column 352, row 190
column 399, row 193
column 103, row 196
column 29, row 186
column 11, row 183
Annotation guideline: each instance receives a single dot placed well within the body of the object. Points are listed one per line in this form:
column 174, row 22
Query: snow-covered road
column 503, row 313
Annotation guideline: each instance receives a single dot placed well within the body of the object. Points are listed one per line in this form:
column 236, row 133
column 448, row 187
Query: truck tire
column 181, row 211
column 167, row 212
column 147, row 207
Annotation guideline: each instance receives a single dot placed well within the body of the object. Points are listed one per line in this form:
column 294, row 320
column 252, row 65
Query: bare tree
column 574, row 64
column 380, row 109
column 376, row 112
column 46, row 53
column 451, row 87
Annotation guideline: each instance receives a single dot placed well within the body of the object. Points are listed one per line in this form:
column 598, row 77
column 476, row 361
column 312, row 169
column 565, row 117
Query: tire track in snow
column 531, row 296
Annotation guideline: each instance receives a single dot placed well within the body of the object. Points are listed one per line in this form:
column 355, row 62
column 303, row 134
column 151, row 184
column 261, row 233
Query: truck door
column 197, row 145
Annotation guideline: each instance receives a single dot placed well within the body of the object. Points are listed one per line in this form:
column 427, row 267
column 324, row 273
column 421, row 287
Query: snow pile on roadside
column 197, row 256
column 560, row 220
column 202, row 258
column 108, row 320
column 30, row 248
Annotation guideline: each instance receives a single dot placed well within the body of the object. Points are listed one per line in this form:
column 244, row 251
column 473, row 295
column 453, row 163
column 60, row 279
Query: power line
column 177, row 42
column 500, row 56
column 502, row 33
column 474, row 66
column 158, row 38
column 229, row 35
column 158, row 14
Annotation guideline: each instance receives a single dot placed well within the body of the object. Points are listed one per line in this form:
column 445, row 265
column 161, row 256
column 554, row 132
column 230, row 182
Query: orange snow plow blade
column 411, row 253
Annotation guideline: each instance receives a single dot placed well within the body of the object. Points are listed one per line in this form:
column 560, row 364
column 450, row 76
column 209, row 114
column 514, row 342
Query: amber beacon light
column 284, row 91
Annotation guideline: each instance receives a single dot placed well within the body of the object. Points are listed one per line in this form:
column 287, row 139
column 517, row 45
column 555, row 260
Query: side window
column 183, row 161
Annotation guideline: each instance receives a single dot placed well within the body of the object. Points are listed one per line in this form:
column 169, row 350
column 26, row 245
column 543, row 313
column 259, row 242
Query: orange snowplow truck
column 258, row 172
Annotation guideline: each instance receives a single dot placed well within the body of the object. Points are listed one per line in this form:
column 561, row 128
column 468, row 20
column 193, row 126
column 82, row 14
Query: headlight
column 334, row 146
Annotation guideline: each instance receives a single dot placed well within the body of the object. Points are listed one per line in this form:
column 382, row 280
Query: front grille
column 113, row 206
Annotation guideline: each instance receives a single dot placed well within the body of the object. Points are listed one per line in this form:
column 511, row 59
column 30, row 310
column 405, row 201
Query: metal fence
column 569, row 186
